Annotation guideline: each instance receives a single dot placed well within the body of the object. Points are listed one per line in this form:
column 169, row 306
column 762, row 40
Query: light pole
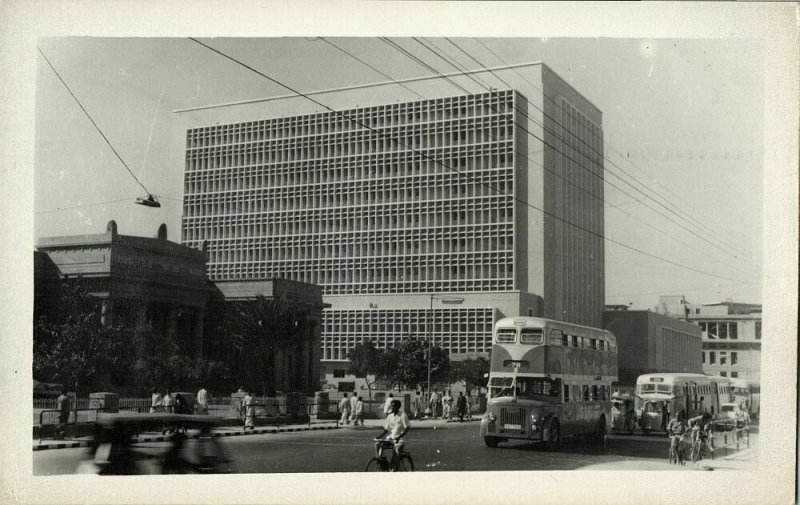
column 445, row 300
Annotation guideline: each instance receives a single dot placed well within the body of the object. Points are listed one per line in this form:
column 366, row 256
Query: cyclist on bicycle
column 676, row 429
column 701, row 433
column 394, row 428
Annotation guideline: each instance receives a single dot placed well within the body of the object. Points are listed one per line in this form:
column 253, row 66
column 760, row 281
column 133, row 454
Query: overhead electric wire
column 368, row 65
column 688, row 217
column 444, row 165
column 93, row 122
column 588, row 146
column 81, row 206
column 457, row 67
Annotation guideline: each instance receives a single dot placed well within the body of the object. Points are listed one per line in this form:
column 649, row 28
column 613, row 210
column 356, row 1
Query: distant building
column 141, row 280
column 731, row 335
column 144, row 280
column 410, row 206
column 650, row 343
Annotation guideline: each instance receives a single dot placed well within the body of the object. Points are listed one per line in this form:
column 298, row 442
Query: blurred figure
column 156, row 401
column 63, row 404
column 447, row 405
column 433, row 404
column 416, row 406
column 387, row 405
column 202, row 401
column 353, row 401
column 168, row 402
column 249, row 412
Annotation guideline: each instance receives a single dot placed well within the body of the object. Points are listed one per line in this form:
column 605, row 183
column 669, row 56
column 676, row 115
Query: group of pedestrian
column 352, row 409
column 177, row 404
column 441, row 405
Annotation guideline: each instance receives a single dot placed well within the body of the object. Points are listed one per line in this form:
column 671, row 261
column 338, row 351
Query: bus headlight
column 534, row 422
column 491, row 416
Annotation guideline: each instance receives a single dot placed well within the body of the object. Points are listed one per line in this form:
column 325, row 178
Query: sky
column 683, row 121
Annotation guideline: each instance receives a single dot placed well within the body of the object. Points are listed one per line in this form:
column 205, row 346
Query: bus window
column 531, row 336
column 595, row 396
column 575, row 341
column 594, row 343
column 501, row 386
column 664, row 388
column 566, row 393
column 556, row 338
column 585, row 393
column 536, row 386
column 601, row 345
column 506, row 335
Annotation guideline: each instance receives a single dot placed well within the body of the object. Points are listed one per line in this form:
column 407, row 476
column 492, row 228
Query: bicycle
column 700, row 446
column 677, row 449
column 400, row 462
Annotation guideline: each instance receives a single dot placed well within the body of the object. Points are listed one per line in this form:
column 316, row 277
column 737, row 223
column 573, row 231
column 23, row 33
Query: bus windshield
column 525, row 387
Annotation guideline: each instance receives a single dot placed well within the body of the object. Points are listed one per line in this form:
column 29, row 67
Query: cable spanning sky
column 682, row 120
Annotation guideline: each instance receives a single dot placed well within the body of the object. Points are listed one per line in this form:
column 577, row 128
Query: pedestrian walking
column 344, row 408
column 447, row 405
column 156, row 401
column 353, row 401
column 359, row 412
column 202, row 401
column 433, row 404
column 63, row 404
column 469, row 407
column 461, row 407
column 168, row 402
column 249, row 412
column 417, row 405
column 387, row 405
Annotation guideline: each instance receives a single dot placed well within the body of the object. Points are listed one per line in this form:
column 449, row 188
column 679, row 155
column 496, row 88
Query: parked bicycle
column 400, row 460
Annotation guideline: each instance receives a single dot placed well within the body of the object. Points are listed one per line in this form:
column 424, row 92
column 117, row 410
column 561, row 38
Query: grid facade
column 360, row 207
column 457, row 330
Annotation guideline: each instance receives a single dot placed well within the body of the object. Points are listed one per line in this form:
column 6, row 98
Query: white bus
column 548, row 380
column 689, row 393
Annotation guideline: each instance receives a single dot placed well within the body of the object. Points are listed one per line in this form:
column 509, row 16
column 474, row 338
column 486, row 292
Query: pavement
column 235, row 431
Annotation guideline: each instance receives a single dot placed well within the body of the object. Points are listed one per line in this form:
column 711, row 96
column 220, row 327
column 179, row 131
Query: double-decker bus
column 690, row 393
column 548, row 380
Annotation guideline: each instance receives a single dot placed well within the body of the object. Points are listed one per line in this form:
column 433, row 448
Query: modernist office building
column 427, row 218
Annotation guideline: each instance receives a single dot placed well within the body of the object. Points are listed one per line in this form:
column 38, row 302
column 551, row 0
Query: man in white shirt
column 394, row 428
column 353, row 405
column 387, row 405
column 447, row 405
column 344, row 408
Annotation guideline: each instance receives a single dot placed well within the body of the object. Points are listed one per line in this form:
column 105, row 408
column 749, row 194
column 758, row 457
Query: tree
column 365, row 360
column 71, row 344
column 257, row 329
column 412, row 365
column 472, row 372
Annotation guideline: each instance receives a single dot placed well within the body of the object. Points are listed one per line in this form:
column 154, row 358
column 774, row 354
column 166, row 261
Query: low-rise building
column 648, row 342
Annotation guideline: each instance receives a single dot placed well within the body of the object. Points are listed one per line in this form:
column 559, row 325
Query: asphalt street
column 434, row 447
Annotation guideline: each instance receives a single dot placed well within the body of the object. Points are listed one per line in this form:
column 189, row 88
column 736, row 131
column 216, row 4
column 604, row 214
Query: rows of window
column 725, row 357
column 481, row 193
column 433, row 140
column 440, row 109
column 490, row 271
column 457, row 330
column 720, row 329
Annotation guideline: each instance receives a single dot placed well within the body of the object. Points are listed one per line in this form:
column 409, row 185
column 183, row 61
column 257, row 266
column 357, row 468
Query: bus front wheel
column 491, row 441
column 554, row 441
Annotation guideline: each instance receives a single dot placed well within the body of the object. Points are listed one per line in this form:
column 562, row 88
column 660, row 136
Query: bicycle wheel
column 404, row 463
column 376, row 465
